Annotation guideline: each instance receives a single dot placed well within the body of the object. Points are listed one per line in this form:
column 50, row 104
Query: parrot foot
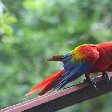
column 91, row 82
column 105, row 75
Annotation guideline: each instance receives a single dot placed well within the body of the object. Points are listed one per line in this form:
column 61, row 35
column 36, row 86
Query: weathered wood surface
column 63, row 98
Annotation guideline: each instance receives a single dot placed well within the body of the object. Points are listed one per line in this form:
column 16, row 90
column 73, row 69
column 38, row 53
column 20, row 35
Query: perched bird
column 84, row 59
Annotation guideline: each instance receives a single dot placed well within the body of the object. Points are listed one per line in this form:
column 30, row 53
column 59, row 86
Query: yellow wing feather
column 77, row 55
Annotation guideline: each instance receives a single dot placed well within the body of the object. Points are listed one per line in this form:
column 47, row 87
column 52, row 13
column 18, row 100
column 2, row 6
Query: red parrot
column 84, row 59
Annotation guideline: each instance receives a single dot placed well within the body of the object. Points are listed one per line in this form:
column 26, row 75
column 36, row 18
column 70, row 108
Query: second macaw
column 84, row 59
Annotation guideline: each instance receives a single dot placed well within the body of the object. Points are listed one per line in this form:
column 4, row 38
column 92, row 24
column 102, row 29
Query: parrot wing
column 76, row 72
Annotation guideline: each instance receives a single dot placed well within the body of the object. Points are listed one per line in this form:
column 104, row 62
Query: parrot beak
column 56, row 58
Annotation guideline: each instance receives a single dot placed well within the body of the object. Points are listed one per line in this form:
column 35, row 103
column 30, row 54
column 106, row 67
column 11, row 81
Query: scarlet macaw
column 84, row 59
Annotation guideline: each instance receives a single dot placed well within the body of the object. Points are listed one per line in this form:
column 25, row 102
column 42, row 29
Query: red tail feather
column 50, row 86
column 45, row 82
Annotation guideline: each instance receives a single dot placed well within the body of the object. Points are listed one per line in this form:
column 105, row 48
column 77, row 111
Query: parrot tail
column 47, row 81
column 51, row 86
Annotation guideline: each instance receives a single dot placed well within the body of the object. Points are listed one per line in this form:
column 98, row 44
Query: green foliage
column 33, row 30
column 5, row 22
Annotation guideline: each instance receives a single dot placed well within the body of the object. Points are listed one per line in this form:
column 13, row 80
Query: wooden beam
column 63, row 98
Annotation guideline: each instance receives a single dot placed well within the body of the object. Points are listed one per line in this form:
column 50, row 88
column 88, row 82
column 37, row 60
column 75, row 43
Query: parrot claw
column 91, row 82
column 105, row 75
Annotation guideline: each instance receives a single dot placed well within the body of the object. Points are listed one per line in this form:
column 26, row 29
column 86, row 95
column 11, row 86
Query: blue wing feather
column 72, row 71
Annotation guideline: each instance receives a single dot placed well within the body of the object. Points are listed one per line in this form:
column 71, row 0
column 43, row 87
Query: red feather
column 45, row 82
column 51, row 85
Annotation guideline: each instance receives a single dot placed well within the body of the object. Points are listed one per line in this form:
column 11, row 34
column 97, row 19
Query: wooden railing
column 63, row 98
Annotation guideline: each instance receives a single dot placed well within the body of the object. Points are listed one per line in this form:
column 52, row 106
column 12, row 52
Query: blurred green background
column 33, row 30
